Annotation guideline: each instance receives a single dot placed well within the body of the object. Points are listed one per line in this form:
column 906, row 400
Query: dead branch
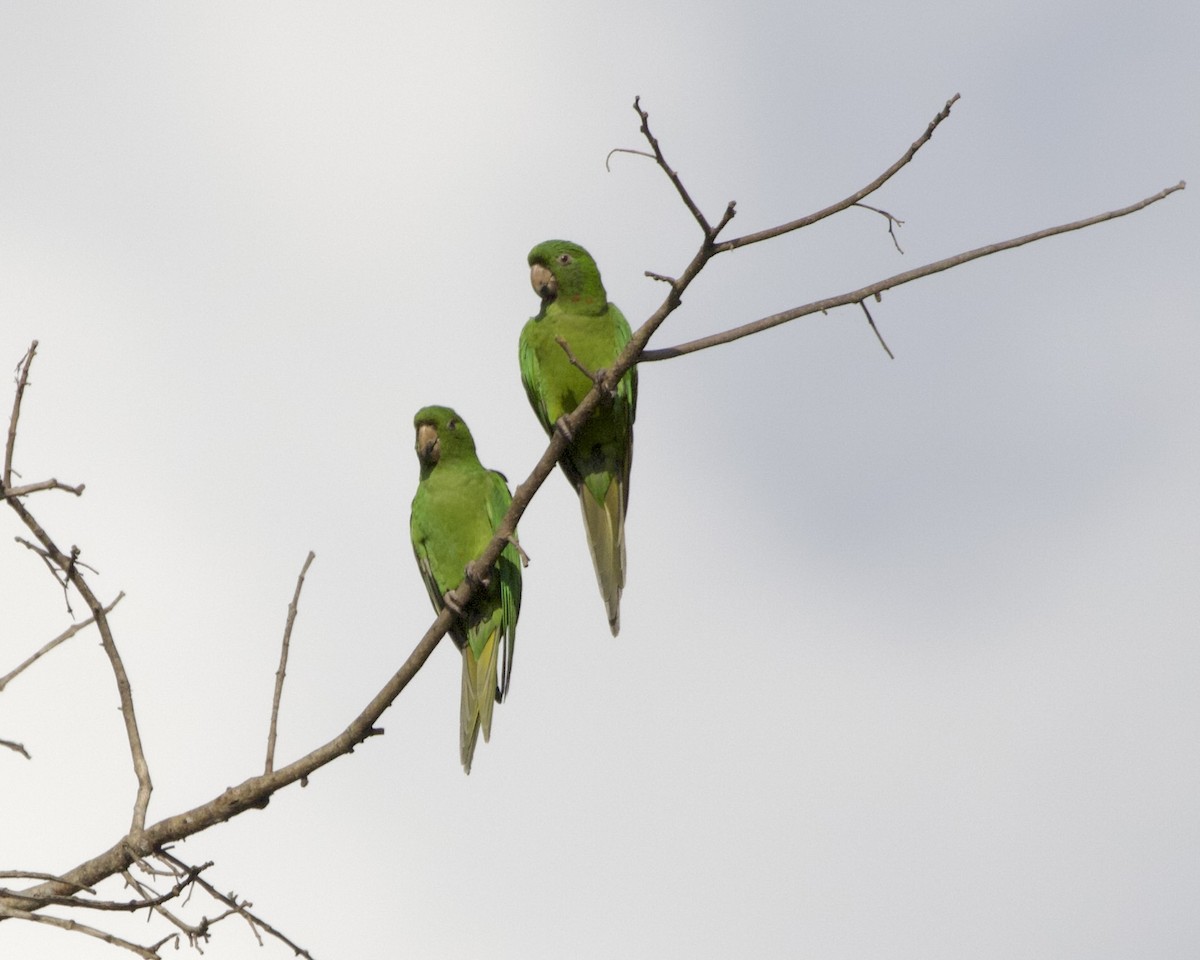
column 879, row 336
column 874, row 289
column 149, row 953
column 283, row 657
column 51, row 484
column 892, row 222
column 846, row 202
column 37, row 875
column 61, row 638
column 17, row 747
column 242, row 909
column 120, row 906
column 22, row 380
column 73, row 574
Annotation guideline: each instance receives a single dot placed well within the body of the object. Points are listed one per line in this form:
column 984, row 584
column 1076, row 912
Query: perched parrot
column 575, row 308
column 455, row 512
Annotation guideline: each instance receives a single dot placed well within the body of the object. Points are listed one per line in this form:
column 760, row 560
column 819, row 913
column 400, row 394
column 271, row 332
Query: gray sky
column 908, row 662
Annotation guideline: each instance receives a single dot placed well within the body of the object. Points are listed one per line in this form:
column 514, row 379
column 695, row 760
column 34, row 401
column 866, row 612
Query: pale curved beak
column 543, row 282
column 428, row 450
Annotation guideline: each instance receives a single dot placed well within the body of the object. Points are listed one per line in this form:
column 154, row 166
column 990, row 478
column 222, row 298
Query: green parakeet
column 575, row 308
column 455, row 512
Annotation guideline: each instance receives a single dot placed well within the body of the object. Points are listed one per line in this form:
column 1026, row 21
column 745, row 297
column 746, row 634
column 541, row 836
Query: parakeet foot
column 561, row 426
column 475, row 579
column 449, row 601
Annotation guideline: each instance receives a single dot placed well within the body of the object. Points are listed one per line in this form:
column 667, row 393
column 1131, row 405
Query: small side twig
column 148, row 953
column 283, row 658
column 853, row 198
column 892, row 223
column 148, row 897
column 242, row 909
column 61, row 638
column 22, row 380
column 39, row 875
column 709, row 233
column 636, row 153
column 574, row 361
column 871, row 290
column 520, row 551
column 70, row 568
column 878, row 335
column 51, row 484
column 18, row 748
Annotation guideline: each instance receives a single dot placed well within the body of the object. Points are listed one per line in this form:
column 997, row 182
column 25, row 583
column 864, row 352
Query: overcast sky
column 909, row 656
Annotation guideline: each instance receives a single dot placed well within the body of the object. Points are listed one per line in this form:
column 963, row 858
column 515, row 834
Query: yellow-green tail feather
column 478, row 697
column 605, row 525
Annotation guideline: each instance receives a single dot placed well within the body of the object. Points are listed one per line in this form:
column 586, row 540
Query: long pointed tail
column 605, row 525
column 478, row 698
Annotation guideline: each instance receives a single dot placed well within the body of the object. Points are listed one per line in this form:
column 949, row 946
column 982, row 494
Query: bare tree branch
column 50, row 484
column 22, row 380
column 70, row 568
column 37, row 875
column 18, row 748
column 149, row 953
column 688, row 202
column 892, row 222
column 879, row 336
column 62, row 637
column 871, row 290
column 849, row 201
column 242, row 909
column 283, row 657
column 119, row 906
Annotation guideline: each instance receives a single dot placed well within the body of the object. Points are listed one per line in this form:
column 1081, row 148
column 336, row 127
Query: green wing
column 533, row 379
column 509, row 569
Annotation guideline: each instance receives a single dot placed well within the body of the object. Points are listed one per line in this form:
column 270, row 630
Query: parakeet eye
column 454, row 422
column 564, row 258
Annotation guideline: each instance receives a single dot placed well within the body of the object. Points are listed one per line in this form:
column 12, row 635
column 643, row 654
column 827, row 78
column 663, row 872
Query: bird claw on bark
column 454, row 605
column 561, row 426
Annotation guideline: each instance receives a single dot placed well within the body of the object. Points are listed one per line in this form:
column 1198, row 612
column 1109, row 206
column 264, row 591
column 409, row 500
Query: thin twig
column 849, row 201
column 50, row 484
column 688, row 202
column 636, row 153
column 192, row 931
column 573, row 360
column 879, row 336
column 241, row 909
column 520, row 551
column 61, row 638
column 39, row 875
column 72, row 573
column 892, row 223
column 22, row 380
column 124, row 691
column 283, row 658
column 18, row 748
column 855, row 296
column 149, row 953
column 117, row 906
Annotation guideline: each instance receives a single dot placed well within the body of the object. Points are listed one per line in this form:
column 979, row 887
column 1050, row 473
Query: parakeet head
column 441, row 435
column 564, row 272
